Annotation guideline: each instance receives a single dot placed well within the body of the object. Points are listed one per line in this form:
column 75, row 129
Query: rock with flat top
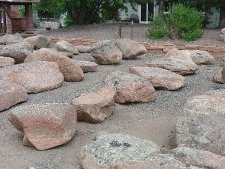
column 130, row 49
column 87, row 66
column 46, row 125
column 66, row 47
column 181, row 67
column 35, row 77
column 130, row 88
column 17, row 51
column 160, row 78
column 96, row 106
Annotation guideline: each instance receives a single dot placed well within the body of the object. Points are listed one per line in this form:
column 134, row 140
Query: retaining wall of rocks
column 215, row 50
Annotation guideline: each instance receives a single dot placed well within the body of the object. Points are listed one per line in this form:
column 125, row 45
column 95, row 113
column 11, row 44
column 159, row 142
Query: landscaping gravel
column 154, row 120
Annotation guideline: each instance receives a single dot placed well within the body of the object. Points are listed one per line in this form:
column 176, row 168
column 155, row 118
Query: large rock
column 39, row 41
column 130, row 88
column 217, row 78
column 35, row 77
column 117, row 151
column 200, row 158
column 196, row 56
column 95, row 107
column 10, row 39
column 202, row 57
column 6, row 61
column 106, row 53
column 181, row 67
column 87, row 66
column 45, row 125
column 160, row 78
column 83, row 49
column 203, row 123
column 130, row 49
column 70, row 69
column 11, row 94
column 17, row 51
column 66, row 47
column 183, row 55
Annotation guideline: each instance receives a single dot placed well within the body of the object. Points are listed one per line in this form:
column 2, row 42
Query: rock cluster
column 112, row 52
column 200, row 131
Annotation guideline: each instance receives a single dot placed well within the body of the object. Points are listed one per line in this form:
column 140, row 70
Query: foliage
column 181, row 22
column 159, row 29
column 84, row 11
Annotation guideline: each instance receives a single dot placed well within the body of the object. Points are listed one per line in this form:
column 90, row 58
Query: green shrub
column 159, row 28
column 181, row 22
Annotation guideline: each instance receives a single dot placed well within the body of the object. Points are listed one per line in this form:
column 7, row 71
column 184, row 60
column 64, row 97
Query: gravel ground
column 110, row 31
column 154, row 120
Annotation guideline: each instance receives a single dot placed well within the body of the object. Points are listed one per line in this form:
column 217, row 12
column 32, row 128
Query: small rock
column 17, row 51
column 84, row 49
column 130, row 88
column 160, row 78
column 71, row 70
column 11, row 94
column 45, row 125
column 39, row 41
column 130, row 49
column 6, row 61
column 34, row 77
column 87, row 66
column 106, row 53
column 95, row 107
column 66, row 47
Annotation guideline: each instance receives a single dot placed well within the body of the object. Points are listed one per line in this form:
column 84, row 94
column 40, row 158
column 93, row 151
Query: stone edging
column 215, row 50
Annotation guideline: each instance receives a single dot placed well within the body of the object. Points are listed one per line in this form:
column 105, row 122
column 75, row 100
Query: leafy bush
column 181, row 22
column 159, row 28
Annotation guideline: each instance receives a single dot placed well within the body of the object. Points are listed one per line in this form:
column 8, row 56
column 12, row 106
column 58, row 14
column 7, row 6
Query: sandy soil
column 154, row 120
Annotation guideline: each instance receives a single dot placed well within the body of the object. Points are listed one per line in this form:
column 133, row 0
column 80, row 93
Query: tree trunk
column 161, row 6
column 222, row 17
